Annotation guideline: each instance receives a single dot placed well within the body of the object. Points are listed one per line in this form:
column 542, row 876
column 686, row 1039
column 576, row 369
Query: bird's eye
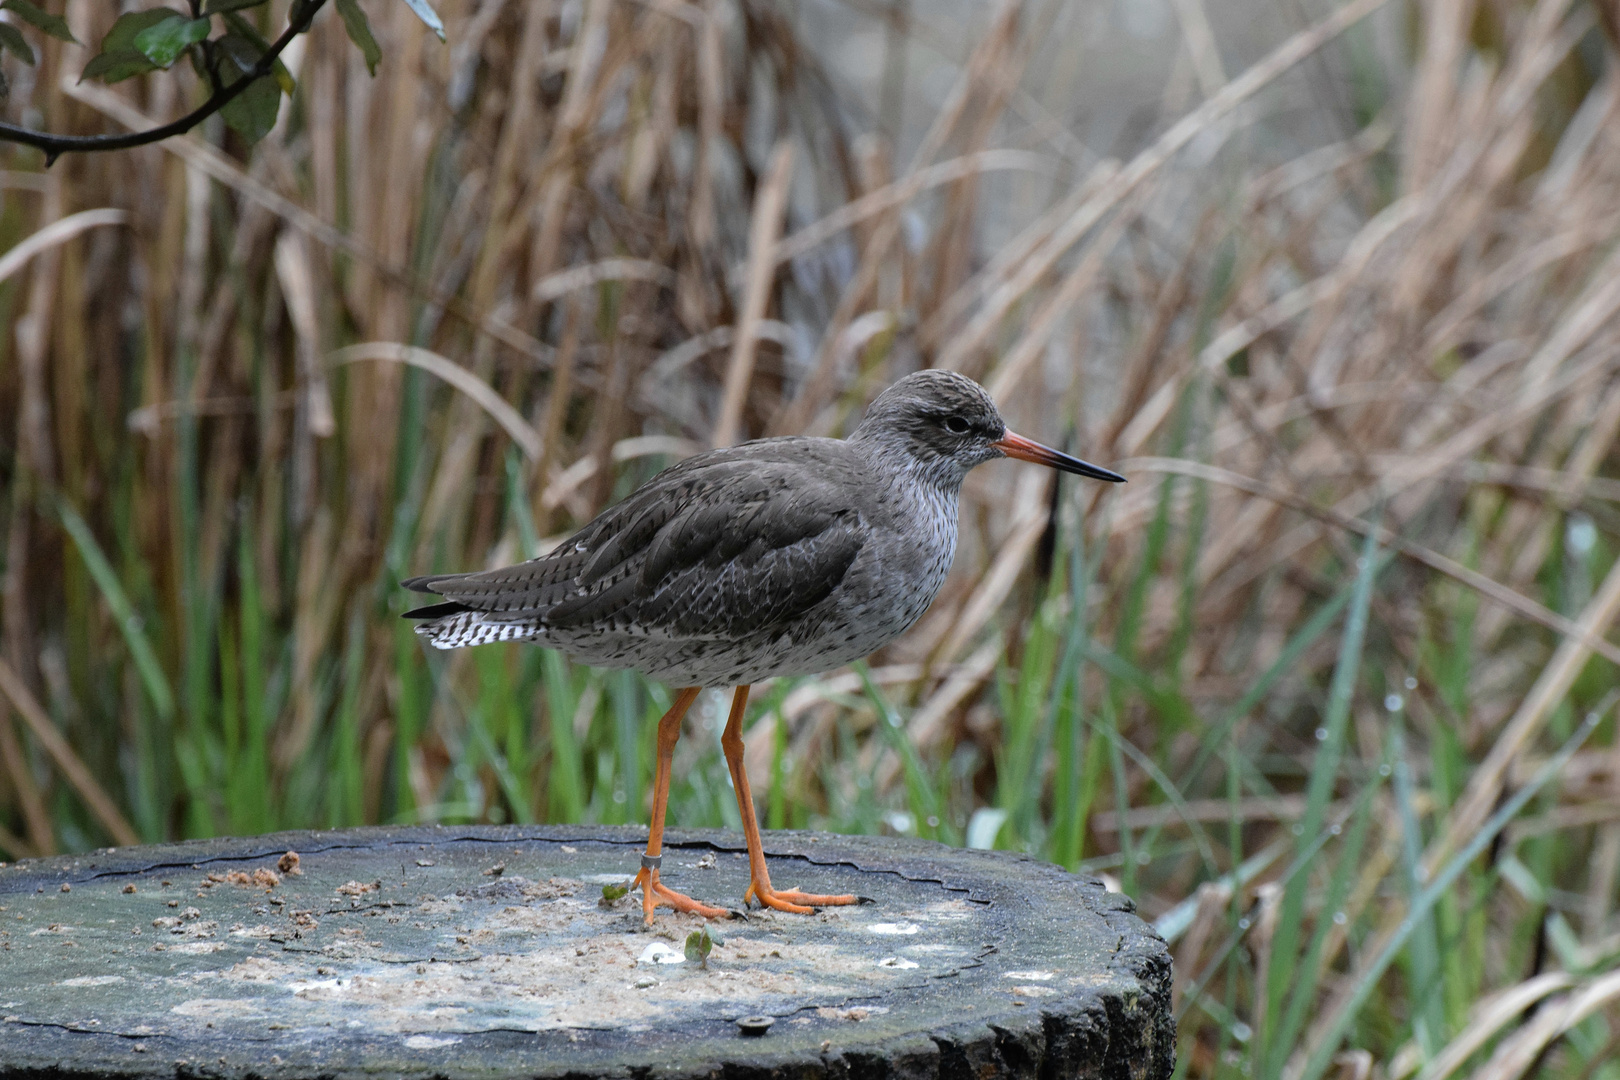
column 956, row 425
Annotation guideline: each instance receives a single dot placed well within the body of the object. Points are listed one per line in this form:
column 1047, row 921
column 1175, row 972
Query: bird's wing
column 721, row 548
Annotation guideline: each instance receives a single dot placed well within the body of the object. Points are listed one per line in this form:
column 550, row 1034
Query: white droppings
column 893, row 928
column 430, row 1042
column 898, row 962
column 659, row 953
column 1030, row 976
column 301, row 987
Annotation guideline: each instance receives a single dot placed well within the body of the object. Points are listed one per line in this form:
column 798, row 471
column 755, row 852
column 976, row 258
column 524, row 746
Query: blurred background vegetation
column 1325, row 688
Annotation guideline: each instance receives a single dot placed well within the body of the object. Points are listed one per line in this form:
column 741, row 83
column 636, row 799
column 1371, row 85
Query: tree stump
column 491, row 952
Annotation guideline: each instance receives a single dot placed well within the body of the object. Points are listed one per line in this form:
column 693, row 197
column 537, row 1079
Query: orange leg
column 653, row 892
column 759, row 886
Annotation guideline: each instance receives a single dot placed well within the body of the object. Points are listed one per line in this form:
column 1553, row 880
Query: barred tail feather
column 454, row 626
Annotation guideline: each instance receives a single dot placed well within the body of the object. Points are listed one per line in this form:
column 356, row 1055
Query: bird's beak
column 1016, row 446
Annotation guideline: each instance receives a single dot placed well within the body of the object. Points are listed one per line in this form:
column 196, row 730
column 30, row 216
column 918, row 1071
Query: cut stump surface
column 489, row 952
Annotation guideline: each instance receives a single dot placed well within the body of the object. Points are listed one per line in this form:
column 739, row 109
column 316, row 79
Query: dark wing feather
column 720, row 546
column 434, row 611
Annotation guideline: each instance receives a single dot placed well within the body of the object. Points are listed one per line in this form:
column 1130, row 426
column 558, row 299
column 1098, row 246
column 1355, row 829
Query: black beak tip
column 1094, row 472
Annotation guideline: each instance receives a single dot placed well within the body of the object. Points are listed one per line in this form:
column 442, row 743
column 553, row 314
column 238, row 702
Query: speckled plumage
column 785, row 556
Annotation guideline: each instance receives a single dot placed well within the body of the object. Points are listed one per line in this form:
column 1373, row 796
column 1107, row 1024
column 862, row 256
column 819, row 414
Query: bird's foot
column 655, row 894
column 794, row 900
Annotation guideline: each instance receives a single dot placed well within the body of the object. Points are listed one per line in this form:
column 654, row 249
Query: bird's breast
column 913, row 544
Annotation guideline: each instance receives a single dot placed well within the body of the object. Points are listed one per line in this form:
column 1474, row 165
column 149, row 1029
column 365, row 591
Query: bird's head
column 946, row 424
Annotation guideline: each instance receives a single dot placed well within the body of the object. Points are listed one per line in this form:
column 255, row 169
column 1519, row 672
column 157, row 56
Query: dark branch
column 56, row 145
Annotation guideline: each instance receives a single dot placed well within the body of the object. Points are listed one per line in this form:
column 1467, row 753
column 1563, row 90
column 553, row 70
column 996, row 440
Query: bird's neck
column 940, row 475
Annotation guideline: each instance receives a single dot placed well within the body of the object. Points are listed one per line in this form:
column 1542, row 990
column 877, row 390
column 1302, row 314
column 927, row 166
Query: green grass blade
column 230, row 725
column 920, row 795
column 129, row 623
column 1338, row 888
column 196, row 607
column 565, row 794
column 1428, row 1004
column 624, row 698
column 1200, row 838
column 500, row 725
column 1064, row 707
column 1026, row 735
column 1287, row 661
column 410, row 718
column 252, row 770
column 776, row 802
column 517, row 504
column 191, row 752
column 1319, row 791
column 345, row 780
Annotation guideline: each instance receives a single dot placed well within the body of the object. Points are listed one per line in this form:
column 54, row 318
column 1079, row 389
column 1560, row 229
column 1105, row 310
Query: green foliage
column 120, row 58
column 12, row 41
column 54, row 25
column 152, row 39
column 252, row 113
column 358, row 28
column 164, row 41
column 699, row 943
column 247, row 47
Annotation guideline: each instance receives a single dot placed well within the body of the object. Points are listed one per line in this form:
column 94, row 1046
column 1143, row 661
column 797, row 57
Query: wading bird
column 784, row 556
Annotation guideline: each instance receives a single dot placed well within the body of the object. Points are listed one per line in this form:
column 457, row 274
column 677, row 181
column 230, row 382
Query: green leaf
column 54, row 25
column 425, row 12
column 243, row 53
column 163, row 42
column 11, row 39
column 252, row 113
column 119, row 58
column 121, row 37
column 219, row 7
column 111, row 67
column 359, row 28
column 698, row 946
column 611, row 893
column 242, row 28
